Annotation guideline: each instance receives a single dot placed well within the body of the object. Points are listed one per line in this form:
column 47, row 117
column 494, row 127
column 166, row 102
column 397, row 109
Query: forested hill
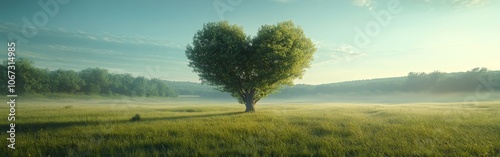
column 97, row 81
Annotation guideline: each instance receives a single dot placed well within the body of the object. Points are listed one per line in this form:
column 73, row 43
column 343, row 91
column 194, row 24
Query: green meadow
column 89, row 126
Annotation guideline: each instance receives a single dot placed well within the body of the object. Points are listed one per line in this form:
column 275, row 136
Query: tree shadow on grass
column 192, row 116
column 31, row 127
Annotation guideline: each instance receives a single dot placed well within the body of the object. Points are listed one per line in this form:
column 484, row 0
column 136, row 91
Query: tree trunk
column 250, row 107
column 249, row 104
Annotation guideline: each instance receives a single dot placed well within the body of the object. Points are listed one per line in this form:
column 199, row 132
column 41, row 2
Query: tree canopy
column 250, row 68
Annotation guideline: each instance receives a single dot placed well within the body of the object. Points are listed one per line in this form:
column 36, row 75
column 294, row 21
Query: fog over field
column 398, row 98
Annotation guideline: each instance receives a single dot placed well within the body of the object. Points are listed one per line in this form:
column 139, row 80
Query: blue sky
column 355, row 39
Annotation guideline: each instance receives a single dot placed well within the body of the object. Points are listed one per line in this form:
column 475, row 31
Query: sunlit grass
column 202, row 128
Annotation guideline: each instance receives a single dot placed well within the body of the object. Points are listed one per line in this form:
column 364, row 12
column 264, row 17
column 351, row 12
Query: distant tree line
column 202, row 90
column 440, row 82
column 92, row 81
column 435, row 82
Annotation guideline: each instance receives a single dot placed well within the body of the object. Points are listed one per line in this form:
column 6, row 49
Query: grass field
column 180, row 127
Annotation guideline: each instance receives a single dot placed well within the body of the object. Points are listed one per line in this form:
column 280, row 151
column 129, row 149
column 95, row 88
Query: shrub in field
column 137, row 117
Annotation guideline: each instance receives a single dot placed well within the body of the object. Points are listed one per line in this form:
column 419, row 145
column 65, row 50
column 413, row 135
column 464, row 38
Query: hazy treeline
column 414, row 82
column 32, row 80
column 436, row 82
column 202, row 90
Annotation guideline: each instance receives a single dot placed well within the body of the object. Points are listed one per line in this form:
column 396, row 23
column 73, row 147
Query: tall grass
column 178, row 128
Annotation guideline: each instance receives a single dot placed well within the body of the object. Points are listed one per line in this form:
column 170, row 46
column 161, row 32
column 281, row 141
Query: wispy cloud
column 364, row 3
column 454, row 4
column 117, row 55
column 137, row 40
column 66, row 48
column 3, row 28
column 101, row 37
column 332, row 52
column 30, row 54
column 288, row 1
column 282, row 1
